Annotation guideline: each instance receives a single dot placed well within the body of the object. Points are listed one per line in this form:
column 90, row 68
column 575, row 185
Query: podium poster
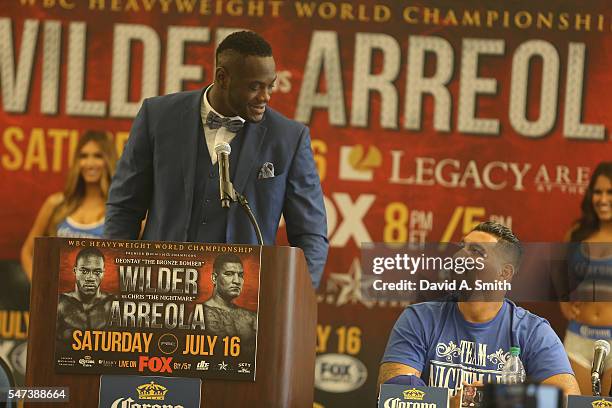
column 173, row 309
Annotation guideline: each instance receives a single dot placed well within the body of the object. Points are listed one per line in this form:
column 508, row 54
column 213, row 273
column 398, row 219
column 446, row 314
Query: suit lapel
column 189, row 130
column 254, row 135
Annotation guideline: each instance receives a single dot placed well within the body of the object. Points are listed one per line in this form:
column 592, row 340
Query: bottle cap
column 515, row 351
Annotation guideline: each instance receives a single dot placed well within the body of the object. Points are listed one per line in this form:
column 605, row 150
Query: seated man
column 449, row 343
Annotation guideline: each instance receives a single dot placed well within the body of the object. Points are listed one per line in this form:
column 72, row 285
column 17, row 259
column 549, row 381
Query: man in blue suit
column 169, row 173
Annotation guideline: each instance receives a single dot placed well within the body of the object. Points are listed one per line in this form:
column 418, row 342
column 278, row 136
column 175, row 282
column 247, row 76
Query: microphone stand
column 244, row 203
column 596, row 384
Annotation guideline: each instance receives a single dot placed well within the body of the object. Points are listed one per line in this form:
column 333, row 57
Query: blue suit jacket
column 156, row 174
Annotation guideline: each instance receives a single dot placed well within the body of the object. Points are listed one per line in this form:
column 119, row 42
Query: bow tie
column 214, row 121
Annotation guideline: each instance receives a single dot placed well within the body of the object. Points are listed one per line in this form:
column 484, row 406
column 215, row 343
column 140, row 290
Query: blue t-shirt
column 434, row 338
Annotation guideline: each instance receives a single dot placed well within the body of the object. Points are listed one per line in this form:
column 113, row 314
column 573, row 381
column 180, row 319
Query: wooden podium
column 285, row 338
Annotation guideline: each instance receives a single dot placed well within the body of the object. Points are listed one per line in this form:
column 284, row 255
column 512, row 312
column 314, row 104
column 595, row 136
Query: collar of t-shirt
column 214, row 136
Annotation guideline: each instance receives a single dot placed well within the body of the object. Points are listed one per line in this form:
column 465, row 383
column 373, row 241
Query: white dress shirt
column 214, row 136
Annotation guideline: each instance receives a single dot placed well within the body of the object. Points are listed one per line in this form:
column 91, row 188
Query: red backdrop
column 426, row 117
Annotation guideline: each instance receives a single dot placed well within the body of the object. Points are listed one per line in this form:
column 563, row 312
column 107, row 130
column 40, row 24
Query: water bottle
column 513, row 371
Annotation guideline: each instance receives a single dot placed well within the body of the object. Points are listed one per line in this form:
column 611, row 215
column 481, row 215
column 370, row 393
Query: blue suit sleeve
column 304, row 210
column 407, row 342
column 544, row 355
column 130, row 192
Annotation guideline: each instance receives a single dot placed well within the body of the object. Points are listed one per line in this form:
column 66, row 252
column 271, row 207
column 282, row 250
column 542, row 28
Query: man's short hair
column 510, row 244
column 223, row 259
column 87, row 252
column 245, row 43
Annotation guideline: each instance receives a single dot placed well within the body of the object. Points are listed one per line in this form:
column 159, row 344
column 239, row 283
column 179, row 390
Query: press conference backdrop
column 426, row 118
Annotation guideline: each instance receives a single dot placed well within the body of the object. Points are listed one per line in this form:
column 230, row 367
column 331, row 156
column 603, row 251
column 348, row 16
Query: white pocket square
column 266, row 171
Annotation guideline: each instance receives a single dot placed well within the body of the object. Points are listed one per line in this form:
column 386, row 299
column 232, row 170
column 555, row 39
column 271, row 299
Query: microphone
column 226, row 189
column 602, row 349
